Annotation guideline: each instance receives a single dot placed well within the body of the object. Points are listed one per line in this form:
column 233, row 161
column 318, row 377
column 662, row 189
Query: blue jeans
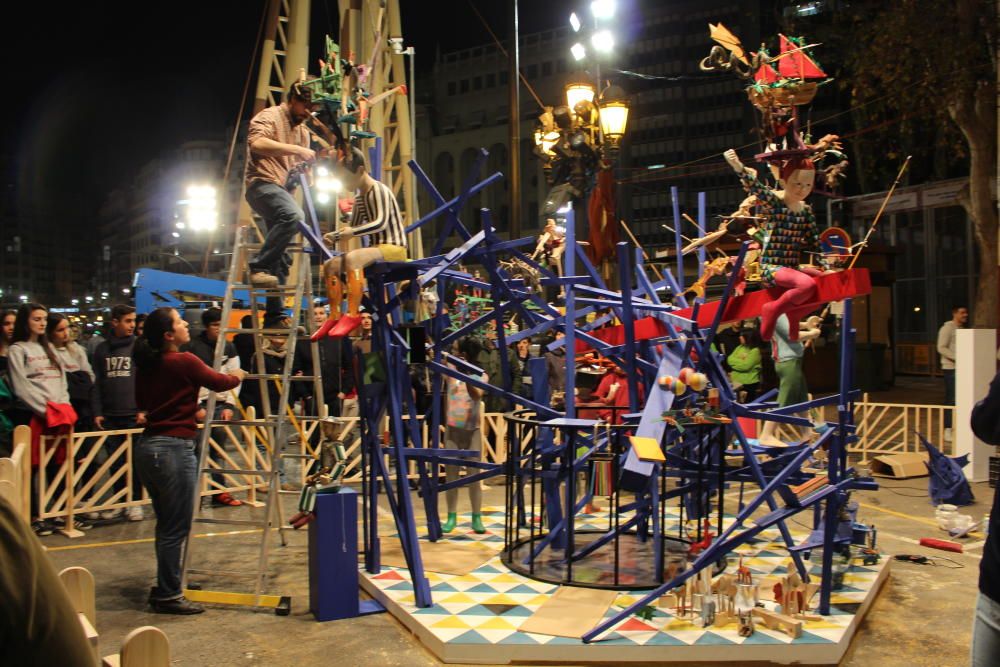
column 949, row 394
column 168, row 467
column 986, row 632
column 282, row 216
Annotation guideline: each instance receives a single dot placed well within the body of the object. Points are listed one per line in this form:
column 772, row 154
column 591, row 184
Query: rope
column 527, row 85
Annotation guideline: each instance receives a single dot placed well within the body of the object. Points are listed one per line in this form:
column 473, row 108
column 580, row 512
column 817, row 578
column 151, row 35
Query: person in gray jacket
column 79, row 374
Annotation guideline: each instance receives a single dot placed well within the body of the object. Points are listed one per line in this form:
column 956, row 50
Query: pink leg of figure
column 799, row 289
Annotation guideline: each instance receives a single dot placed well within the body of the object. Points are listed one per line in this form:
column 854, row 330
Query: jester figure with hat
column 376, row 215
column 790, row 230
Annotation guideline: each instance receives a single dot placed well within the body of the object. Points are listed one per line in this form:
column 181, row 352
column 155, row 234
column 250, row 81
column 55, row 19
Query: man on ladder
column 276, row 141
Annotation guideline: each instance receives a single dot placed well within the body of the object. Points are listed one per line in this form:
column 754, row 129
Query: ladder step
column 286, row 289
column 298, row 456
column 258, row 523
column 224, row 573
column 258, row 246
column 235, row 471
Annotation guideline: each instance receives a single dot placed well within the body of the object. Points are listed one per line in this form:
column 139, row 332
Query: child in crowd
column 463, row 432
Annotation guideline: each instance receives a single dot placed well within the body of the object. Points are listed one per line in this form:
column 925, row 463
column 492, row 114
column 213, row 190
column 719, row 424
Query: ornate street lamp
column 614, row 116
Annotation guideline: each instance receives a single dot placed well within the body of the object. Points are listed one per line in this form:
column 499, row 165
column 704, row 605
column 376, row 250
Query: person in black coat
column 985, row 421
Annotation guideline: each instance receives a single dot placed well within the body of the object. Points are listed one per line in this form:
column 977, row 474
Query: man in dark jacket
column 114, row 398
column 244, row 342
column 203, row 347
column 489, row 361
column 986, row 627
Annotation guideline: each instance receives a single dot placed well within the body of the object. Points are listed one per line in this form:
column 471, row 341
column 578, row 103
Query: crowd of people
column 53, row 379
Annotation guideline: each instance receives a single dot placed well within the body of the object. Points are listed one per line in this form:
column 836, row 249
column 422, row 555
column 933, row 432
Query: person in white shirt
column 946, row 348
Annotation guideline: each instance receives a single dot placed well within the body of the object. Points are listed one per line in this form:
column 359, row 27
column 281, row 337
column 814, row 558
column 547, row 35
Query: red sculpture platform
column 830, row 287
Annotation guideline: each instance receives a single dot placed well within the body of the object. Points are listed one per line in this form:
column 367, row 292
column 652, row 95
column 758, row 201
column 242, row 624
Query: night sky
column 98, row 89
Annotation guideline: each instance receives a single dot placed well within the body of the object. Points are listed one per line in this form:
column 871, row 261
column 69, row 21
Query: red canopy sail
column 797, row 65
column 766, row 74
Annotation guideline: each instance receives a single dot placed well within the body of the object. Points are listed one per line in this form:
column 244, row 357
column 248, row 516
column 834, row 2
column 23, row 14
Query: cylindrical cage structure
column 557, row 464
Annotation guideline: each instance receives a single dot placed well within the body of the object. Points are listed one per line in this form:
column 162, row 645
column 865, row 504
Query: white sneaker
column 91, row 516
column 135, row 514
column 947, row 435
column 107, row 515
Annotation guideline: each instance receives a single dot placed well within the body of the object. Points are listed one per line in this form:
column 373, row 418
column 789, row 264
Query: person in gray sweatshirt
column 79, row 375
column 114, row 397
column 38, row 379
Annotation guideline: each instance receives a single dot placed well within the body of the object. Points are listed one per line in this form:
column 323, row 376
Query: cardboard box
column 900, row 466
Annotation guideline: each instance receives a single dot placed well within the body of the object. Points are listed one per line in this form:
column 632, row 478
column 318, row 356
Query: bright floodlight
column 322, row 171
column 603, row 41
column 201, row 207
column 579, row 53
column 603, row 9
column 326, row 184
column 574, row 22
column 323, row 198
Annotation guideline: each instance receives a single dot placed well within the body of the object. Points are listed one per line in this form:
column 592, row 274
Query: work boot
column 263, row 279
column 180, row 606
column 449, row 525
column 477, row 523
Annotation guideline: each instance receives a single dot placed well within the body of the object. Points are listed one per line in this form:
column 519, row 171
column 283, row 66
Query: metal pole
column 514, row 118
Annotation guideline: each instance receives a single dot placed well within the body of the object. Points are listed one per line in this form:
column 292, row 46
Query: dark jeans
column 949, row 394
column 112, row 443
column 168, row 467
column 282, row 216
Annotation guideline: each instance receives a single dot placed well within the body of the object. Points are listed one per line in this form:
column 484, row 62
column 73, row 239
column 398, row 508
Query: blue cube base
column 333, row 559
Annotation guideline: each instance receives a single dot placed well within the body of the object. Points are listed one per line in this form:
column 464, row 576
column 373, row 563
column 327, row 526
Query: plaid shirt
column 273, row 123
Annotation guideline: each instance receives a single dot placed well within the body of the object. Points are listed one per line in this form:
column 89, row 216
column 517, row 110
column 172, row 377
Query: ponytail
column 149, row 347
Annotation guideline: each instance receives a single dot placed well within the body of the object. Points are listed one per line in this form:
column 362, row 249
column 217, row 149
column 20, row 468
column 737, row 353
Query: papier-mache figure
column 376, row 215
column 790, row 229
column 551, row 245
column 329, row 476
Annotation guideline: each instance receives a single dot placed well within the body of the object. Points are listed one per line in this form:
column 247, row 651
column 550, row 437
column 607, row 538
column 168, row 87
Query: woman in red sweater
column 166, row 389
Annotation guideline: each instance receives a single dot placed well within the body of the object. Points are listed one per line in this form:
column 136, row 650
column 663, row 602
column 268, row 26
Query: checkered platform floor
column 486, row 606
